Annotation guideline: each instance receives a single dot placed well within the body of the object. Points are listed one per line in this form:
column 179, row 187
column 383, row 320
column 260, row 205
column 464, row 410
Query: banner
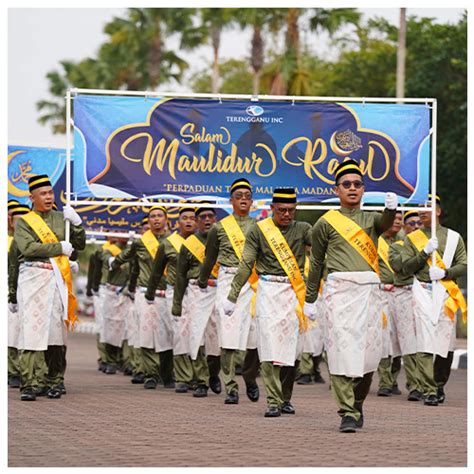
column 129, row 147
column 24, row 162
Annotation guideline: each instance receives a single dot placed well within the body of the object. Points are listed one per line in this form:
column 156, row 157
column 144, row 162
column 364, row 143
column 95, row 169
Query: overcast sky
column 39, row 38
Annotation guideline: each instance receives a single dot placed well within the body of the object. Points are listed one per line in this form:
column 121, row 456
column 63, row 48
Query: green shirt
column 14, row 260
column 187, row 268
column 395, row 260
column 118, row 276
column 331, row 248
column 258, row 252
column 92, row 284
column 30, row 244
column 166, row 258
column 416, row 263
column 219, row 248
column 145, row 260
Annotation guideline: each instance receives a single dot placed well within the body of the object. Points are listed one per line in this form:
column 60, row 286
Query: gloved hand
column 391, row 201
column 149, row 301
column 229, row 307
column 13, row 307
column 431, row 246
column 111, row 260
column 309, row 309
column 74, row 266
column 437, row 273
column 71, row 215
column 66, row 248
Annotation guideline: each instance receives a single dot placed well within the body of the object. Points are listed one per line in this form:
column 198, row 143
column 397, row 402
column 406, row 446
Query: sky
column 38, row 38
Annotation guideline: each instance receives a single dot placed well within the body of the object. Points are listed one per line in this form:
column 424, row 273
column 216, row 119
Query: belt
column 158, row 293
column 275, row 278
column 212, row 282
column 44, row 265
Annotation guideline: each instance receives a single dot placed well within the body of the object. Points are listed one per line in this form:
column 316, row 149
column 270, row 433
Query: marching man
column 276, row 246
column 346, row 241
column 45, row 297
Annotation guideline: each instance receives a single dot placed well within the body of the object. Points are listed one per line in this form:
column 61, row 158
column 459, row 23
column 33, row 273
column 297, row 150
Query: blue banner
column 129, row 147
column 24, row 162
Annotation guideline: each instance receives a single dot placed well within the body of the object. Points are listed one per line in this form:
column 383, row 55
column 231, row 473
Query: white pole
column 249, row 96
column 68, row 158
column 433, row 185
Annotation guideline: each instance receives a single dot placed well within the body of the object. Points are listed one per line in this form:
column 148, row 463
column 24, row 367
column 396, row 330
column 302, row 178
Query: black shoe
column 348, row 425
column 253, row 393
column 272, row 412
column 441, row 395
column 415, row 396
column 150, row 384
column 14, row 381
column 181, row 388
column 54, row 392
column 215, row 384
column 128, row 370
column 41, row 391
column 201, row 391
column 169, row 384
column 384, row 392
column 138, row 378
column 232, row 398
column 28, row 395
column 62, row 388
column 431, row 400
column 305, row 380
column 288, row 409
column 102, row 366
column 318, row 378
column 110, row 369
column 396, row 390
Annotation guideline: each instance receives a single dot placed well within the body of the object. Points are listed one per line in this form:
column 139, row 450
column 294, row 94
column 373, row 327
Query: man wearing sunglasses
column 435, row 323
column 346, row 241
column 276, row 246
column 225, row 244
column 402, row 308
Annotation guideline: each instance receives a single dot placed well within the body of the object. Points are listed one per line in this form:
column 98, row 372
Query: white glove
column 66, row 248
column 74, row 266
column 437, row 273
column 111, row 260
column 309, row 309
column 229, row 307
column 13, row 307
column 71, row 215
column 391, row 201
column 431, row 246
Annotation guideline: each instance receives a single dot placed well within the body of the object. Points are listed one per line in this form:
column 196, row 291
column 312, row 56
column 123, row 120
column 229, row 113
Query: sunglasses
column 285, row 210
column 414, row 223
column 347, row 184
column 243, row 196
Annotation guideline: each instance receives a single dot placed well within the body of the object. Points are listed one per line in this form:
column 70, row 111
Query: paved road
column 104, row 420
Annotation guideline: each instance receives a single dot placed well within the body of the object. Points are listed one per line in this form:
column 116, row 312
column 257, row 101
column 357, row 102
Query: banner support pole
column 68, row 159
column 434, row 115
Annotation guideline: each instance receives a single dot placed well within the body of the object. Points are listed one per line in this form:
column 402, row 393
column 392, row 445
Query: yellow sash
column 456, row 299
column 237, row 239
column 198, row 249
column 383, row 252
column 10, row 240
column 355, row 236
column 288, row 262
column 176, row 241
column 151, row 243
column 112, row 248
column 47, row 236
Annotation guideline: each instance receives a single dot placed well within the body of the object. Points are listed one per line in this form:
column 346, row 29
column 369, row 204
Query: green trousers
column 395, row 368
column 278, row 382
column 13, row 362
column 101, row 350
column 137, row 360
column 32, row 367
column 151, row 364
column 350, row 393
column 228, row 362
column 166, row 366
column 112, row 355
column 251, row 367
column 384, row 371
column 201, row 368
column 442, row 369
column 183, row 368
column 425, row 367
column 214, row 363
column 411, row 372
column 127, row 355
